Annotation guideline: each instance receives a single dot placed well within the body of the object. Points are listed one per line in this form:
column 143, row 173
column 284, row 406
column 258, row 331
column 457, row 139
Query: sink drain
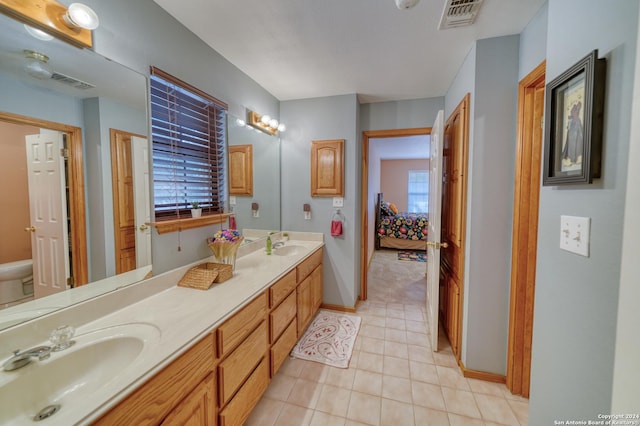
column 46, row 412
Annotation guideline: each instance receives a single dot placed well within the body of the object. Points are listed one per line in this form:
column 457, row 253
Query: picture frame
column 574, row 111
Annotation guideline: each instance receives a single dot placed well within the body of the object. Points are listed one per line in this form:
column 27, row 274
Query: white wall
column 320, row 119
column 626, row 374
column 576, row 300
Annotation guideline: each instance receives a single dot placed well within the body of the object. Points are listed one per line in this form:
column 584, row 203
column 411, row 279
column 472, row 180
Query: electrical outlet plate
column 232, row 200
column 307, row 215
column 575, row 234
column 338, row 202
column 256, row 213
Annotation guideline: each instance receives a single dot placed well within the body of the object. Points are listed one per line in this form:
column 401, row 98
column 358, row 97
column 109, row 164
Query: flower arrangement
column 224, row 245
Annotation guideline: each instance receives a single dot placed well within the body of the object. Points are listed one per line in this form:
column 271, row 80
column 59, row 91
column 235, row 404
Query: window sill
column 175, row 225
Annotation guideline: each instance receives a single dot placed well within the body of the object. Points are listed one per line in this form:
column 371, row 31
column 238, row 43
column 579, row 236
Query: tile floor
column 394, row 377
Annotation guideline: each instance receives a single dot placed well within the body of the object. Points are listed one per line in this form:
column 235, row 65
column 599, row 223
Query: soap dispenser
column 269, row 244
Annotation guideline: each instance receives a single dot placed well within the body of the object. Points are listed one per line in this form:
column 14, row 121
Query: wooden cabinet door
column 304, row 299
column 241, row 170
column 327, row 168
column 198, row 408
column 316, row 289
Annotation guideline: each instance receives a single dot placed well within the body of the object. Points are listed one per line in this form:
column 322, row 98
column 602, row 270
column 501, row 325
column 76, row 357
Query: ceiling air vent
column 73, row 82
column 459, row 13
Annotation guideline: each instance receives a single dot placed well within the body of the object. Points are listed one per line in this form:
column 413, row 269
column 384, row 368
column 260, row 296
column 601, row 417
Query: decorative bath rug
column 329, row 339
column 416, row 256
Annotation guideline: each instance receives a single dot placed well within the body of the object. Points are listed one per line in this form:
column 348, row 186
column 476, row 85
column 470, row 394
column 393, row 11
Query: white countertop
column 183, row 316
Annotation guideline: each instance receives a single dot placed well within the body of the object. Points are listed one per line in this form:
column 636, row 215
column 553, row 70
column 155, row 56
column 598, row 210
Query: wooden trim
column 364, row 208
column 525, row 229
column 76, row 199
column 175, row 225
column 340, row 308
column 175, row 80
column 481, row 375
column 47, row 15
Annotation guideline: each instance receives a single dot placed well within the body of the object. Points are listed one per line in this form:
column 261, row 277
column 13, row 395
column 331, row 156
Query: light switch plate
column 575, row 233
column 232, row 200
column 307, row 215
column 256, row 213
column 338, row 202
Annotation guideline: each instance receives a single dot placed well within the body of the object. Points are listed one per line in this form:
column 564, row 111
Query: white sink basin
column 288, row 250
column 69, row 377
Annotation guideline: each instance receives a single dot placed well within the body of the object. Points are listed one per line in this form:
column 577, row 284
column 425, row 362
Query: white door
column 47, row 203
column 141, row 197
column 433, row 243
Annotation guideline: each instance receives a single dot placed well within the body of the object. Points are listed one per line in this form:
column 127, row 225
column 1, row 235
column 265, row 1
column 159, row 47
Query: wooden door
column 525, row 229
column 142, row 200
column 433, row 243
column 47, row 205
column 454, row 213
column 123, row 201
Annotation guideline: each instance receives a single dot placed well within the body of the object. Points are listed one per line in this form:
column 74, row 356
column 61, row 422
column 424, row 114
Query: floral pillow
column 385, row 210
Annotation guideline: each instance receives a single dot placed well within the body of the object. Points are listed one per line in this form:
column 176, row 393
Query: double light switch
column 575, row 234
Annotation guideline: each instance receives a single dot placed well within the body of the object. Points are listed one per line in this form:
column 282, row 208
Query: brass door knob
column 143, row 227
column 30, row 229
column 437, row 245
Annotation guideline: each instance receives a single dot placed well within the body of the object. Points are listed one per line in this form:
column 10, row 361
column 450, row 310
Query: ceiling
column 299, row 49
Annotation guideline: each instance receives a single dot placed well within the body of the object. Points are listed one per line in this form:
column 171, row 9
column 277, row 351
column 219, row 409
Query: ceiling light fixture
column 406, row 4
column 36, row 65
column 265, row 123
column 81, row 16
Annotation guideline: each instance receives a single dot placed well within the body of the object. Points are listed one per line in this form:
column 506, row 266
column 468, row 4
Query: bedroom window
column 188, row 130
column 418, row 191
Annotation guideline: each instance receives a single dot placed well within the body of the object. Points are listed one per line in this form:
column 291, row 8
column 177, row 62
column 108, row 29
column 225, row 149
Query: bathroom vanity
column 196, row 357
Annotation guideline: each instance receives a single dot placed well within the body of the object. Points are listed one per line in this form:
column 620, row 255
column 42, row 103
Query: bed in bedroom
column 406, row 231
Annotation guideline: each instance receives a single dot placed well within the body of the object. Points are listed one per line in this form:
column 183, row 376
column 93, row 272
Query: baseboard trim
column 340, row 307
column 481, row 375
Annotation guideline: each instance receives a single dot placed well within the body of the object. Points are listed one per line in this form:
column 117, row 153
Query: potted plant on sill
column 196, row 211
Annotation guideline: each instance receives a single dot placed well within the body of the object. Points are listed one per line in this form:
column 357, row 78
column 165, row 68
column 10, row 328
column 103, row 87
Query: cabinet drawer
column 239, row 364
column 237, row 411
column 236, row 328
column 280, row 350
column 309, row 264
column 282, row 316
column 282, row 288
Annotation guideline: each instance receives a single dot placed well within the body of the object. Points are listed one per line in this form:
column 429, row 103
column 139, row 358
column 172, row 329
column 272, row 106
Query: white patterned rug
column 329, row 339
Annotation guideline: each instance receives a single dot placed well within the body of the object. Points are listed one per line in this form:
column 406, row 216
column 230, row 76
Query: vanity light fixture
column 265, row 123
column 81, row 16
column 73, row 25
column 36, row 65
column 39, row 34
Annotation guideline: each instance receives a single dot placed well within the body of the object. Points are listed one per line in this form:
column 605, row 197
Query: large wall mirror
column 266, row 180
column 54, row 95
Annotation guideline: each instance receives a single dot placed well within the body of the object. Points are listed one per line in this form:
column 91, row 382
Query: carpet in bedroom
column 416, row 256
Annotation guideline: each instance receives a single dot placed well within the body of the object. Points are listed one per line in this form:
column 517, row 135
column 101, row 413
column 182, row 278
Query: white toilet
column 16, row 282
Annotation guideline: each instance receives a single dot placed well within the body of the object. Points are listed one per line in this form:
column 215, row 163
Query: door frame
column 525, row 229
column 364, row 194
column 76, row 198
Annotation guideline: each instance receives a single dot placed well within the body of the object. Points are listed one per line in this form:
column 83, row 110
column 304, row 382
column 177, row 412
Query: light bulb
column 273, row 123
column 39, row 34
column 81, row 16
column 265, row 119
column 282, row 127
column 240, row 122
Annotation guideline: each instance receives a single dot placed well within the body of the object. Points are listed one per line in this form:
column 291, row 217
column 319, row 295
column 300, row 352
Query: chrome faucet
column 278, row 244
column 20, row 359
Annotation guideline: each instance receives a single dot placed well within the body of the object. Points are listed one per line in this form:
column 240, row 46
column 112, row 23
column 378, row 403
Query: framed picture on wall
column 574, row 109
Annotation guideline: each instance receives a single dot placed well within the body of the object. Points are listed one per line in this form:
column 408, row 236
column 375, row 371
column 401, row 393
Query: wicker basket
column 225, row 271
column 201, row 276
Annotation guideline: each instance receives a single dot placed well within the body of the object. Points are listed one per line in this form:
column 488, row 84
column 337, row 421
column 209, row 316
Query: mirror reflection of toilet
column 16, row 282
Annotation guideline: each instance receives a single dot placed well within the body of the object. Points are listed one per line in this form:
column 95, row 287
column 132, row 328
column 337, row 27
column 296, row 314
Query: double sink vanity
column 155, row 353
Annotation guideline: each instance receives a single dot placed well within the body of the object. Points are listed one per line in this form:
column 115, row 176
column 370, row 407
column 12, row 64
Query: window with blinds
column 188, row 130
column 418, row 191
